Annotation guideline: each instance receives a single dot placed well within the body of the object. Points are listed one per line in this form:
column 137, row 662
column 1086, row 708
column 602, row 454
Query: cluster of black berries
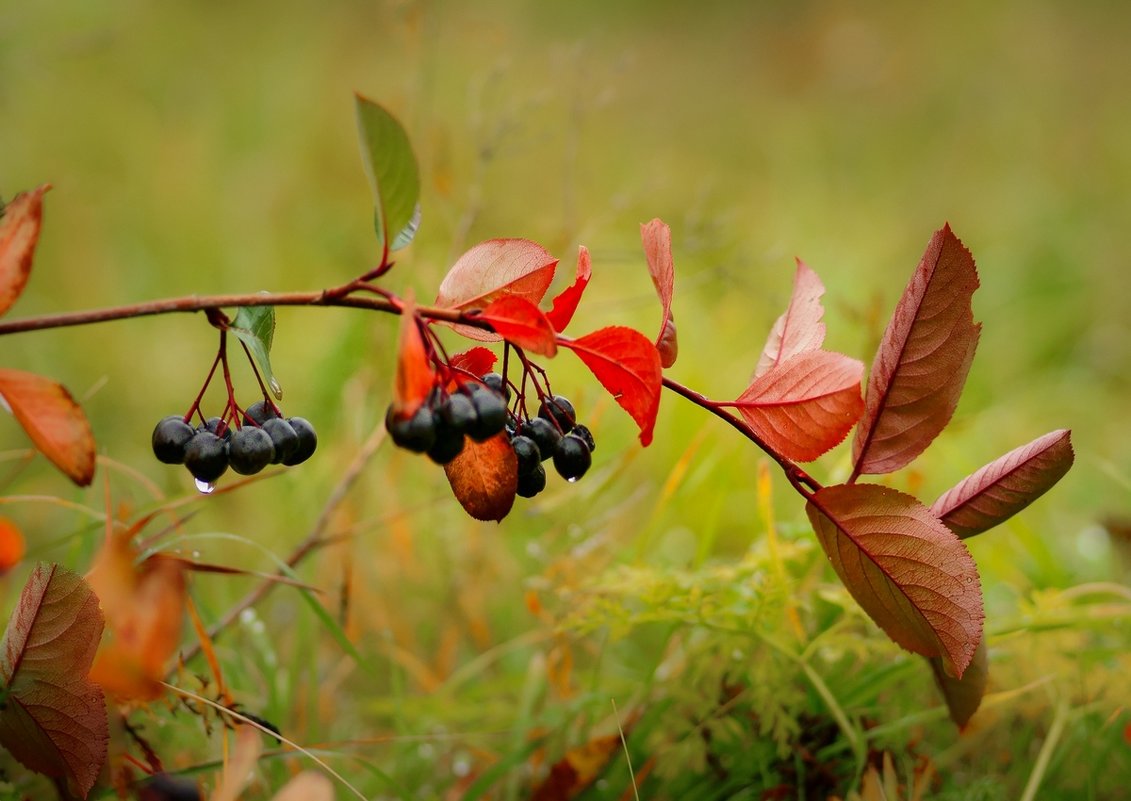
column 210, row 449
column 554, row 433
column 439, row 426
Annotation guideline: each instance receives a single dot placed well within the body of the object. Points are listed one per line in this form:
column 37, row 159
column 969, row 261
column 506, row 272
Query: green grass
column 205, row 149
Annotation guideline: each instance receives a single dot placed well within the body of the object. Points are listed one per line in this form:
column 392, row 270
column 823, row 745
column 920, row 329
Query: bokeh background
column 211, row 147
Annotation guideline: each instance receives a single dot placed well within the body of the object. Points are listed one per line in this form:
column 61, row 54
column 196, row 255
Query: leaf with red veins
column 1006, row 485
column 484, row 477
column 53, row 718
column 565, row 304
column 657, row 239
column 414, row 379
column 628, row 367
column 805, row 405
column 477, row 360
column 53, row 420
column 19, row 233
column 906, row 569
column 922, row 361
column 495, row 268
column 800, row 329
column 963, row 696
column 521, row 323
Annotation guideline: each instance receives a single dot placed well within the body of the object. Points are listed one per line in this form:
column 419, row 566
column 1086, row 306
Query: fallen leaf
column 53, row 420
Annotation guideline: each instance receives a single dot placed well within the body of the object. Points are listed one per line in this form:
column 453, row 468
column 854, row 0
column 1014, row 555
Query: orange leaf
column 496, row 268
column 805, row 405
column 657, row 239
column 484, row 477
column 628, row 367
column 144, row 606
column 414, row 378
column 53, row 420
column 19, row 233
column 521, row 323
column 12, row 545
column 565, row 304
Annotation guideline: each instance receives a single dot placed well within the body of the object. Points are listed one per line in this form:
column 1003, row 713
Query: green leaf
column 255, row 326
column 393, row 173
column 53, row 719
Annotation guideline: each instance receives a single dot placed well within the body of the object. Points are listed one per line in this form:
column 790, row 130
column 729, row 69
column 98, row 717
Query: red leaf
column 521, row 323
column 628, row 366
column 907, row 570
column 55, row 423
column 414, row 378
column 19, row 233
column 1006, row 485
column 53, row 719
column 657, row 239
column 800, row 329
column 478, row 361
column 805, row 405
column 495, row 268
column 963, row 696
column 565, row 304
column 922, row 361
column 484, row 477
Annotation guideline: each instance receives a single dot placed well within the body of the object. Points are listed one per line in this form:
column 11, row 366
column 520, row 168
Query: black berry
column 448, row 445
column 544, row 434
column 586, row 436
column 496, row 382
column 217, row 426
column 559, row 410
column 307, row 441
column 490, row 416
column 206, row 456
column 250, row 450
column 457, row 412
column 416, row 432
column 260, row 412
column 572, row 457
column 530, row 484
column 528, row 455
column 283, row 437
column 169, row 439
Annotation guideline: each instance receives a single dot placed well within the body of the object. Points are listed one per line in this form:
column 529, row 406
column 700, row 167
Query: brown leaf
column 53, row 719
column 53, row 420
column 922, row 362
column 963, row 696
column 907, row 570
column 19, row 233
column 805, row 405
column 484, row 477
column 800, row 329
column 1006, row 485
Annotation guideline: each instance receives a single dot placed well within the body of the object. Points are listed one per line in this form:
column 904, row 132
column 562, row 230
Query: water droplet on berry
column 205, row 487
column 573, row 480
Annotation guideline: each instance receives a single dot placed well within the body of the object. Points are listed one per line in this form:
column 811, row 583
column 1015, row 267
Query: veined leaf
column 54, row 421
column 922, row 362
column 521, row 323
column 800, row 329
column 477, row 360
column 255, row 327
column 657, row 239
column 565, row 304
column 393, row 173
column 1006, row 485
column 53, row 719
column 484, row 477
column 19, row 233
column 496, row 268
column 963, row 696
column 628, row 367
column 907, row 570
column 805, row 405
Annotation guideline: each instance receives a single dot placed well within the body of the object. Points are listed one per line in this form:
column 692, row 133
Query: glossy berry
column 544, row 433
column 169, row 439
column 307, row 441
column 530, row 484
column 415, row 433
column 490, row 416
column 457, row 412
column 206, row 456
column 527, row 453
column 496, row 382
column 572, row 457
column 284, row 438
column 217, row 426
column 586, row 436
column 259, row 412
column 250, row 450
column 558, row 409
column 448, row 445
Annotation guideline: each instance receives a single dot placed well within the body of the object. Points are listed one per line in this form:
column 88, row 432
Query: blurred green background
column 211, row 147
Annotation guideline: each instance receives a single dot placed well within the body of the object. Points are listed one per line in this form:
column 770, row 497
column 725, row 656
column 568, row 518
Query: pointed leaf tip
column 922, row 361
column 393, row 173
column 53, row 420
column 656, row 237
column 963, row 696
column 799, row 329
column 255, row 327
column 907, row 570
column 565, row 304
column 19, row 234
